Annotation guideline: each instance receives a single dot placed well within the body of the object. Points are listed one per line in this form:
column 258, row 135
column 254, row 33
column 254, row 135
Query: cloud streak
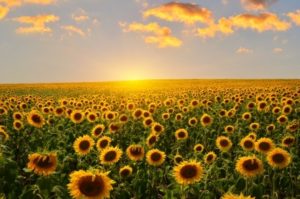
column 3, row 12
column 73, row 30
column 161, row 36
column 257, row 4
column 295, row 17
column 37, row 24
column 260, row 23
column 181, row 12
column 243, row 50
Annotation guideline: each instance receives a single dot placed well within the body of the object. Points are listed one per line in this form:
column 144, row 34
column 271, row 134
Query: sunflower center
column 250, row 165
column 288, row 141
column 18, row 125
column 136, row 151
column 282, row 119
column 209, row 157
column 92, row 117
column 125, row 172
column 206, row 120
column 278, row 158
column 36, row 119
column 110, row 156
column 91, row 187
column 155, row 156
column 224, row 143
column 43, row 162
column 77, row 116
column 103, row 143
column 178, row 159
column 181, row 134
column 152, row 140
column 98, row 131
column 148, row 122
column 188, row 171
column 264, row 146
column 157, row 128
column 198, row 148
column 248, row 144
column 18, row 117
column 84, row 145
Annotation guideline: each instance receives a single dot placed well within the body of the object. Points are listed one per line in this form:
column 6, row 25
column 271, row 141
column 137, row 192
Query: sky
column 107, row 40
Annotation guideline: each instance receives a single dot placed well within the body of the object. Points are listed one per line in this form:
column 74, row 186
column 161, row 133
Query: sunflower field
column 155, row 139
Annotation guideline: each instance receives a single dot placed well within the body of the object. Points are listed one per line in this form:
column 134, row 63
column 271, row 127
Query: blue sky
column 100, row 40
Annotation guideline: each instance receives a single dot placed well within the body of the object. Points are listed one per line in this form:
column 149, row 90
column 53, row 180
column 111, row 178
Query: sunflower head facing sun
column 42, row 164
column 90, row 184
column 110, row 155
column 34, row 118
column 83, row 145
column 155, row 157
column 188, row 172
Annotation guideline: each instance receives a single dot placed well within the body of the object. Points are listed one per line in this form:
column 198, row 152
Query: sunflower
column 83, row 145
column 229, row 129
column 222, row 113
column 123, row 118
column 188, row 172
column 278, row 158
column 110, row 155
column 103, row 142
column 206, row 120
column 254, row 126
column 151, row 139
column 235, row 196
column 223, row 143
column 137, row 113
column 18, row 116
column 147, row 122
column 249, row 166
column 3, row 135
column 155, row 157
column 109, row 115
column 18, row 125
column 42, row 164
column 276, row 110
column 181, row 134
column 178, row 117
column 135, row 152
column 288, row 141
column 252, row 135
column 90, row 185
column 193, row 121
column 198, row 148
column 178, row 159
column 246, row 116
column 35, row 119
column 125, row 171
column 282, row 119
column 77, row 116
column 270, row 128
column 91, row 117
column 59, row 111
column 210, row 157
column 262, row 106
column 157, row 128
column 98, row 130
column 247, row 143
column 287, row 109
column 114, row 127
column 165, row 116
column 264, row 145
